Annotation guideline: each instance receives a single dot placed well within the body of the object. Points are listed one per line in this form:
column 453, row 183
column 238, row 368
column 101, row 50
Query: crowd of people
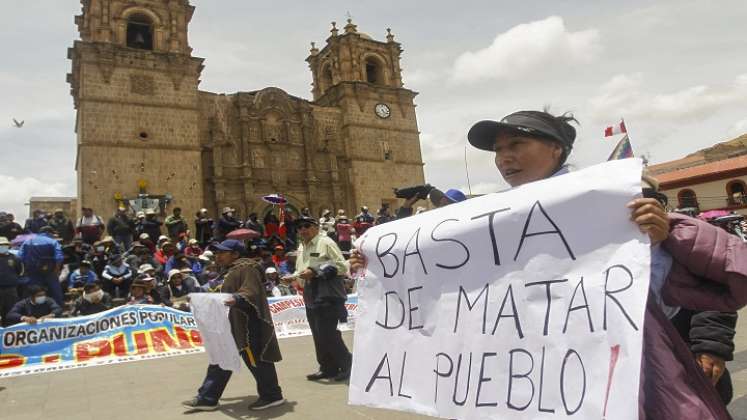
column 696, row 284
column 54, row 266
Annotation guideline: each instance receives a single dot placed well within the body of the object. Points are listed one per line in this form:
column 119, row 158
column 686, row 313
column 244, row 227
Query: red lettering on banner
column 196, row 338
column 183, row 337
column 120, row 345
column 92, row 349
column 51, row 358
column 163, row 341
column 141, row 343
column 9, row 361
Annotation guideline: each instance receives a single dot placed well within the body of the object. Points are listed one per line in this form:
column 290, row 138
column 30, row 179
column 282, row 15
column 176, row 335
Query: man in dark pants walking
column 252, row 329
column 319, row 267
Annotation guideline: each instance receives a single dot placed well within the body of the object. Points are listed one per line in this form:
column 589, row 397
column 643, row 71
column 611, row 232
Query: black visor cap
column 483, row 134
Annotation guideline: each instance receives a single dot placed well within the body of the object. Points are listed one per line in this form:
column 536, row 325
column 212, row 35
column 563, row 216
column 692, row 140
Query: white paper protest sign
column 526, row 304
column 211, row 315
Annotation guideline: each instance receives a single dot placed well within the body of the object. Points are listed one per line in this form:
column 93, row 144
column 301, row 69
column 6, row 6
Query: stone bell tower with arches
column 135, row 87
column 362, row 78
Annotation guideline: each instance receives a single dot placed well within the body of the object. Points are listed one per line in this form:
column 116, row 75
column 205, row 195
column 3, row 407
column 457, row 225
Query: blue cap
column 455, row 195
column 231, row 245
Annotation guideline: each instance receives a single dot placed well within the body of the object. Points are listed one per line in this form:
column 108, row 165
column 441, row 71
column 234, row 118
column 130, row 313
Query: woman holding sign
column 694, row 266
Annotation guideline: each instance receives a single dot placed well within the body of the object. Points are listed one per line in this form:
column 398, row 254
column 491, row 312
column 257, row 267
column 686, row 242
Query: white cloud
column 739, row 128
column 626, row 95
column 527, row 49
column 16, row 191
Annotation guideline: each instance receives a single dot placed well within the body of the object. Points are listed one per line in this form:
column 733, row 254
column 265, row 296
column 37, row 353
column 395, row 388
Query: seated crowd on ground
column 54, row 266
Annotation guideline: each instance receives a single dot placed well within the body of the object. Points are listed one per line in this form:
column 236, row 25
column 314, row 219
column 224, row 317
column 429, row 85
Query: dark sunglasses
column 305, row 225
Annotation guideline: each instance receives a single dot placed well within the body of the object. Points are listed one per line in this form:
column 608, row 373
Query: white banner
column 526, row 304
column 289, row 315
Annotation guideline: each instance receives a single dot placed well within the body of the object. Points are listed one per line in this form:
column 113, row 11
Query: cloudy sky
column 675, row 70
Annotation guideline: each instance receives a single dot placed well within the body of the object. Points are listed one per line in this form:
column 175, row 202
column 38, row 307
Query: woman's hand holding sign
column 650, row 217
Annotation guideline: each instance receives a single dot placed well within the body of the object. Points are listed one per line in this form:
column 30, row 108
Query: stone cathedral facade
column 145, row 129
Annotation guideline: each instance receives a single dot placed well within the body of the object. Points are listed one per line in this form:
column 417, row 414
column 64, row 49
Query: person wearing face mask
column 93, row 301
column 34, row 308
column 11, row 269
column 226, row 224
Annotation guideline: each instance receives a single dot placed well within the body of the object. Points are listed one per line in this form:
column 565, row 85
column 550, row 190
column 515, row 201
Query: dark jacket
column 710, row 332
column 119, row 226
column 327, row 287
column 175, row 226
column 64, row 227
column 203, row 229
column 150, row 227
column 244, row 279
column 10, row 230
column 84, row 307
column 11, row 269
column 26, row 308
column 34, row 225
column 225, row 226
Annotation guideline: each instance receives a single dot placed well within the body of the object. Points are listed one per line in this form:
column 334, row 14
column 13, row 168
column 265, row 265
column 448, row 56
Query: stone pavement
column 154, row 390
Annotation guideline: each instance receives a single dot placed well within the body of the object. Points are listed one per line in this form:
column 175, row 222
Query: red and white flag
column 615, row 129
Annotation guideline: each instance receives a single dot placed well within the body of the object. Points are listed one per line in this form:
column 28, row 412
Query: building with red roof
column 710, row 179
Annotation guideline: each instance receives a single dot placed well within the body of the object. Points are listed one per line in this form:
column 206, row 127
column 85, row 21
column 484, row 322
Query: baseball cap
column 271, row 270
column 4, row 240
column 230, row 245
column 482, row 135
column 305, row 219
column 455, row 195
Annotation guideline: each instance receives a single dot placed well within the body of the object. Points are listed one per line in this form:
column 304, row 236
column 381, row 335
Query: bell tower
column 134, row 84
column 363, row 78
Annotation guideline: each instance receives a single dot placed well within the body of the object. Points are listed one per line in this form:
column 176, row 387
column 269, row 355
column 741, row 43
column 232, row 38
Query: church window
column 736, row 192
column 140, row 32
column 687, row 198
column 374, row 71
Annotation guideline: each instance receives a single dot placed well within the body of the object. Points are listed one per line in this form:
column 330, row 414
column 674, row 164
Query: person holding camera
column 420, row 192
column 319, row 270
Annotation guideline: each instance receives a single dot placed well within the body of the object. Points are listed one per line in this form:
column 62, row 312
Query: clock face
column 383, row 111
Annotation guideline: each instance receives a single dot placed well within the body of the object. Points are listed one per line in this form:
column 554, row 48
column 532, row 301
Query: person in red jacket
column 345, row 233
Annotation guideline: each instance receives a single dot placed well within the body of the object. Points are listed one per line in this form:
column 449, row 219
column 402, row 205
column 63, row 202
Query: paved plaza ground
column 154, row 390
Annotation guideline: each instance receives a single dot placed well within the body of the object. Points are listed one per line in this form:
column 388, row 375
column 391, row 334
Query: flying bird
column 18, row 124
